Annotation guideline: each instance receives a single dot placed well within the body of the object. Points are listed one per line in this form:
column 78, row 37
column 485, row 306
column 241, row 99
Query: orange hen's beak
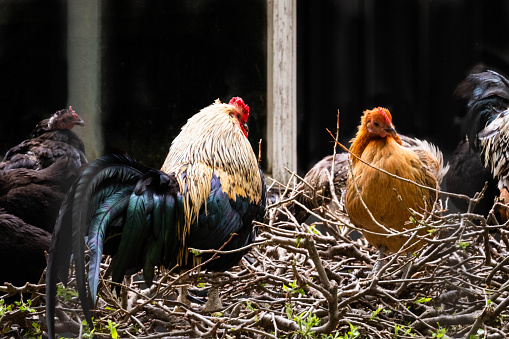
column 390, row 130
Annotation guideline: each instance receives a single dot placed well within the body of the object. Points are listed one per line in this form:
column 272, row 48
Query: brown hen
column 378, row 144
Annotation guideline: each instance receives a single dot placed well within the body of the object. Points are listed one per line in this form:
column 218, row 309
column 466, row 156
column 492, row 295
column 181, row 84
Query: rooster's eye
column 376, row 124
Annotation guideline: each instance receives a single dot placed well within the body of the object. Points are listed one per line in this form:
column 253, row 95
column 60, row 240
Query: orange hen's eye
column 376, row 124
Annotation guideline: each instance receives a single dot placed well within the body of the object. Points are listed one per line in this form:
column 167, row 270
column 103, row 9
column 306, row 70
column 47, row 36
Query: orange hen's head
column 378, row 121
column 376, row 125
column 241, row 113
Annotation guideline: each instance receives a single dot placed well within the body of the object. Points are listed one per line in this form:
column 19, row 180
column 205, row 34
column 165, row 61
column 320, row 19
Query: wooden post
column 282, row 87
column 84, row 71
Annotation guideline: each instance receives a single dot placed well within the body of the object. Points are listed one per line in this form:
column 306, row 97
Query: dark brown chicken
column 22, row 249
column 35, row 196
column 51, row 139
column 34, row 178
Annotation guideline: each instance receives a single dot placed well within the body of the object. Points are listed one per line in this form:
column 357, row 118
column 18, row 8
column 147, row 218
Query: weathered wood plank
column 84, row 71
column 282, row 87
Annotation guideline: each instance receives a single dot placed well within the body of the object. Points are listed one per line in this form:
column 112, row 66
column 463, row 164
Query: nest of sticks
column 308, row 280
column 309, row 274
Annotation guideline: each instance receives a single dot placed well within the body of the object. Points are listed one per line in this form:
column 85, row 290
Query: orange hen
column 378, row 144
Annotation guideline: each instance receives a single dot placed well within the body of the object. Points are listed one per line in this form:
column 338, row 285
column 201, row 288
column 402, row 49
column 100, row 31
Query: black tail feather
column 103, row 178
column 58, row 259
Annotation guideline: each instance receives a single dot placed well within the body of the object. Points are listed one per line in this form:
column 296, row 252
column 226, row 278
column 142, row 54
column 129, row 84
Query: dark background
column 408, row 56
column 162, row 61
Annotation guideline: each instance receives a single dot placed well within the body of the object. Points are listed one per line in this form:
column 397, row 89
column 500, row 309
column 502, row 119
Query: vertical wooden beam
column 282, row 87
column 369, row 51
column 84, row 70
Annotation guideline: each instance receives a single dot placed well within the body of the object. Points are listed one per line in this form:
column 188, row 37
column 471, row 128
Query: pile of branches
column 307, row 280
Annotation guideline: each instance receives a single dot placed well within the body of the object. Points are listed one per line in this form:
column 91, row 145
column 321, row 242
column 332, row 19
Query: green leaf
column 313, row 229
column 289, row 310
column 112, row 326
column 422, row 300
column 66, row 292
column 374, row 314
column 462, row 244
column 249, row 306
column 286, row 288
column 431, row 231
column 354, row 333
column 195, row 252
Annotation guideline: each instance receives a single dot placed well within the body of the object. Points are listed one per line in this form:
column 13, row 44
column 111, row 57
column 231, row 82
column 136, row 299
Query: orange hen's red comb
column 384, row 112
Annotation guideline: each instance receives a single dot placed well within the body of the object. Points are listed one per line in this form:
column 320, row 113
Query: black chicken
column 51, row 139
column 22, row 249
column 467, row 175
column 487, row 93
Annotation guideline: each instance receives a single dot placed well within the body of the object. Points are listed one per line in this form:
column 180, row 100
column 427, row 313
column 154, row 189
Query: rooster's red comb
column 237, row 101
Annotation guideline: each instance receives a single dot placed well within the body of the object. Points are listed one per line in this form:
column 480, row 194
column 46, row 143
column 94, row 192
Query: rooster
column 51, row 139
column 494, row 144
column 209, row 191
column 378, row 144
column 487, row 93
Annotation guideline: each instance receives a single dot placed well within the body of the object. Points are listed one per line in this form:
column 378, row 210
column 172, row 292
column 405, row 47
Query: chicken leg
column 182, row 298
column 380, row 262
column 214, row 301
